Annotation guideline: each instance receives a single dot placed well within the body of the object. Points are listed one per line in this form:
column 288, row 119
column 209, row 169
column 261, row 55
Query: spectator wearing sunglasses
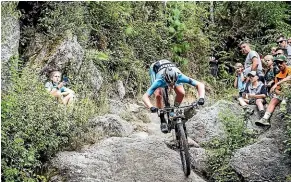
column 252, row 61
column 282, row 43
column 283, row 76
column 272, row 70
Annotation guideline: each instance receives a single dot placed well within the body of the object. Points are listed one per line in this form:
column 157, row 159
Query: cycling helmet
column 170, row 75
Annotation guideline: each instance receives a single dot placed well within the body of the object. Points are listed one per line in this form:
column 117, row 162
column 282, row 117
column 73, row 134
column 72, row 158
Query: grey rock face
column 205, row 125
column 69, row 54
column 120, row 89
column 261, row 161
column 111, row 125
column 91, row 77
column 199, row 159
column 124, row 160
column 9, row 46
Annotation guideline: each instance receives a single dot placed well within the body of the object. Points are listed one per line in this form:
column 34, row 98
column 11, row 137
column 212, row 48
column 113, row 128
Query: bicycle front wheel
column 184, row 149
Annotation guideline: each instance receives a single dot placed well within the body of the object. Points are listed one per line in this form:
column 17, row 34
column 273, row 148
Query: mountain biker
column 165, row 73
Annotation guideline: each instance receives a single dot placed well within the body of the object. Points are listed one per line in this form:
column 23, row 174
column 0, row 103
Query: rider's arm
column 200, row 86
column 146, row 97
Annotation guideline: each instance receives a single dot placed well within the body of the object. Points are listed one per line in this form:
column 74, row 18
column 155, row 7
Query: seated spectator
column 272, row 70
column 255, row 94
column 289, row 51
column 283, row 76
column 57, row 89
column 273, row 51
column 283, row 44
column 239, row 81
column 279, row 52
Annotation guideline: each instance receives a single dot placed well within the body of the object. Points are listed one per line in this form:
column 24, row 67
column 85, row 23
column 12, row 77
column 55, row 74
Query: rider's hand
column 154, row 109
column 201, row 101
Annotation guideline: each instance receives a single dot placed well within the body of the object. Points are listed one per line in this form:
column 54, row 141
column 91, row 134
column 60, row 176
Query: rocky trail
column 138, row 151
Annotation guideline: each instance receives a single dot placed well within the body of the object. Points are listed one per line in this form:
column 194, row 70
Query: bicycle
column 175, row 119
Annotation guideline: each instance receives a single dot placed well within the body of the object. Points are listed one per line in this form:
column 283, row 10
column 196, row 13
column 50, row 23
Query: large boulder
column 111, row 125
column 10, row 35
column 124, row 160
column 261, row 161
column 207, row 123
column 199, row 160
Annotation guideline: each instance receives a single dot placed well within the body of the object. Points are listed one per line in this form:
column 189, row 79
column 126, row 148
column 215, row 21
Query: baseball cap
column 253, row 73
column 280, row 58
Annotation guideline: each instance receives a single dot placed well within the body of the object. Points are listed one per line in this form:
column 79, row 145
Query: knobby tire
column 184, row 149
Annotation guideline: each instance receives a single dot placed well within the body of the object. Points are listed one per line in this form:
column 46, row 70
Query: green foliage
column 56, row 18
column 8, row 10
column 237, row 136
column 286, row 91
column 260, row 23
column 34, row 126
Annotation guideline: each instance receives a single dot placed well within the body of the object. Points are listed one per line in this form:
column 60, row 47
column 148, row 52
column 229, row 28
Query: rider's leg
column 159, row 98
column 180, row 93
column 159, row 104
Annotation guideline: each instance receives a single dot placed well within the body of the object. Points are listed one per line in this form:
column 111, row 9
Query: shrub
column 237, row 136
column 287, row 92
column 35, row 126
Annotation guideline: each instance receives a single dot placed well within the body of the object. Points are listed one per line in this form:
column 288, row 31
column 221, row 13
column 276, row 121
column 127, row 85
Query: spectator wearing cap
column 283, row 76
column 271, row 71
column 254, row 94
column 239, row 81
column 252, row 61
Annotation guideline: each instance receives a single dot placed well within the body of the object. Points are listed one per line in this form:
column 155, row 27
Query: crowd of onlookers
column 262, row 77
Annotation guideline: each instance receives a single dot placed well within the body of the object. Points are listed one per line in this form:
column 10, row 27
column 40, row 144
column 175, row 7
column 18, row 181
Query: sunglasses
column 279, row 42
column 280, row 62
column 279, row 54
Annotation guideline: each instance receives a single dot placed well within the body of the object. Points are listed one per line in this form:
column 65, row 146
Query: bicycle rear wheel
column 184, row 149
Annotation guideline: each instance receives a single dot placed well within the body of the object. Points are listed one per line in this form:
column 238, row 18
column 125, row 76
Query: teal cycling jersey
column 160, row 82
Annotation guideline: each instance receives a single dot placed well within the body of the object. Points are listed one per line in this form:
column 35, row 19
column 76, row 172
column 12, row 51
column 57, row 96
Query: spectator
column 255, row 94
column 272, row 70
column 289, row 41
column 282, row 42
column 283, row 76
column 279, row 51
column 57, row 89
column 213, row 66
column 252, row 61
column 289, row 51
column 239, row 81
column 273, row 51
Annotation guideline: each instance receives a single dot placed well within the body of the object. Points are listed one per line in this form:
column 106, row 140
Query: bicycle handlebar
column 193, row 105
